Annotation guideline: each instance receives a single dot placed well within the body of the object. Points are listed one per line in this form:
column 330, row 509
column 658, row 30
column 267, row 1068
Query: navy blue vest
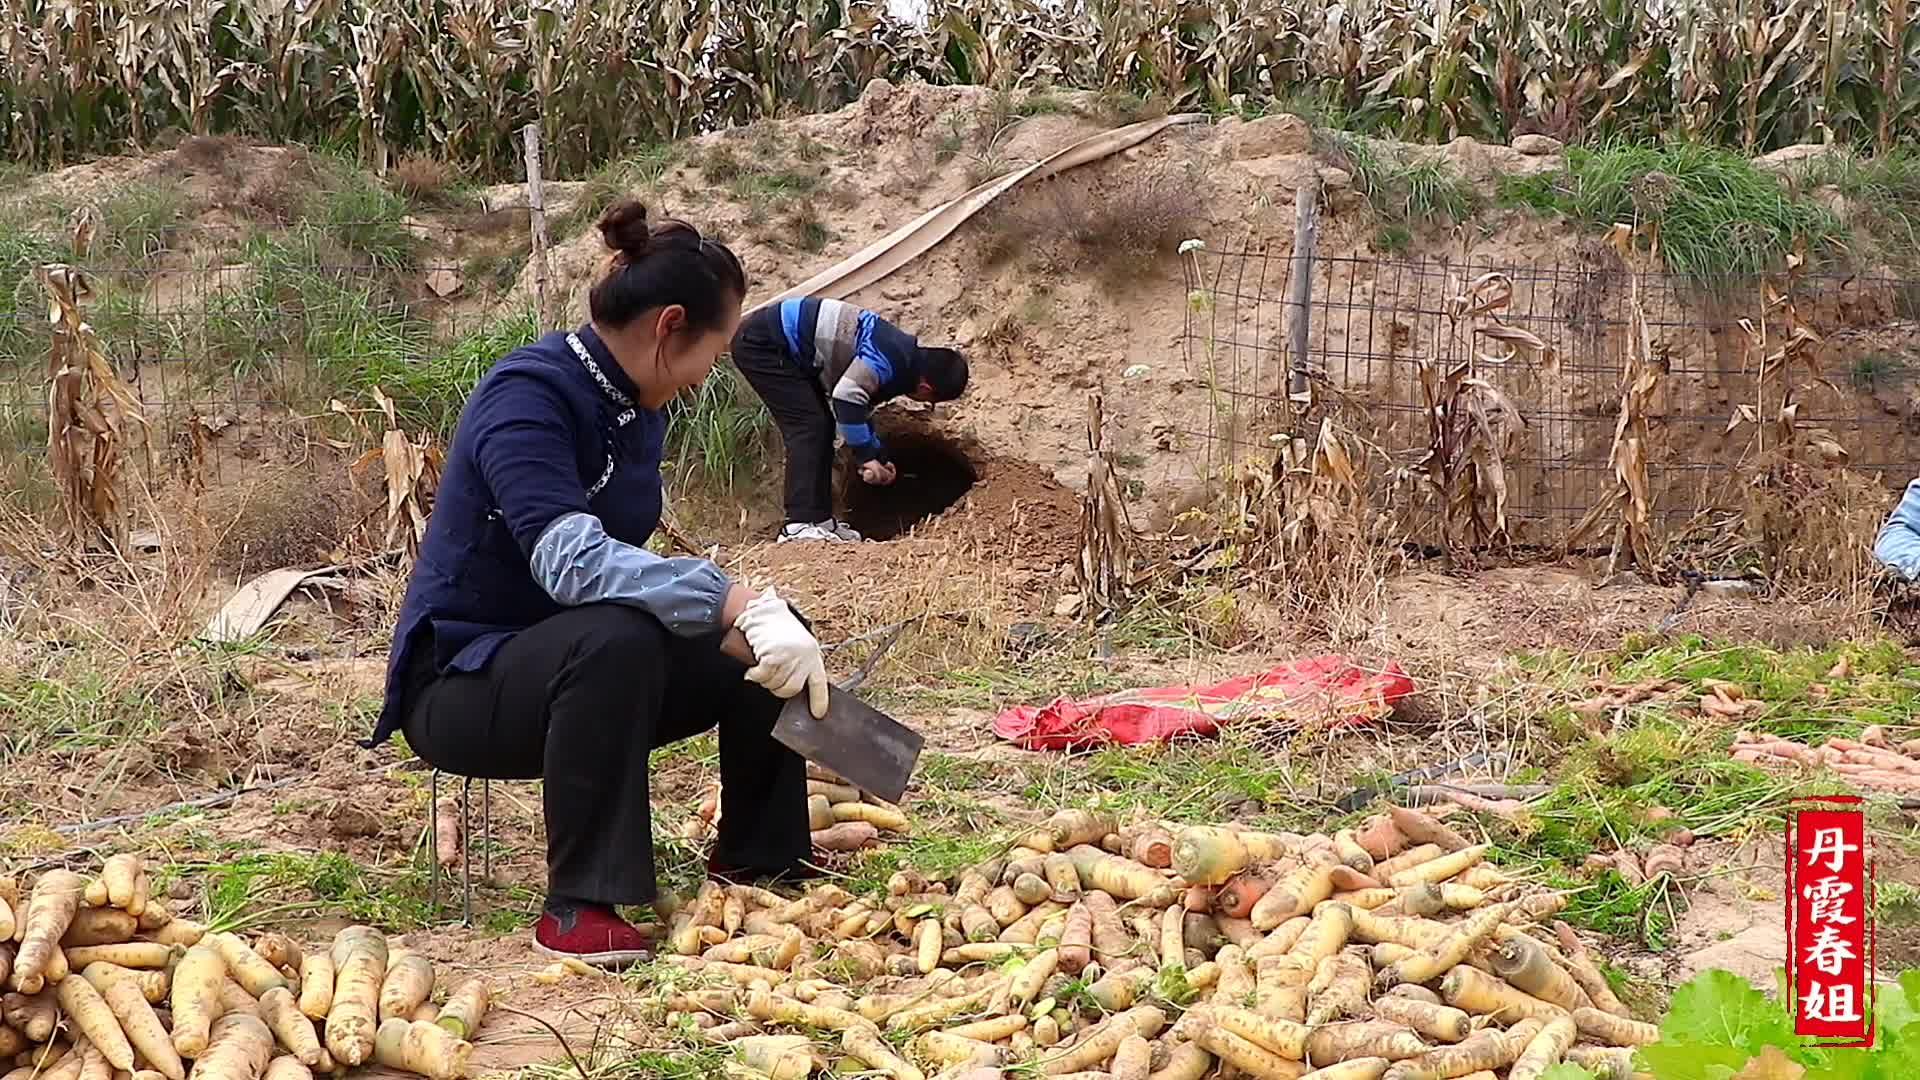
column 472, row 587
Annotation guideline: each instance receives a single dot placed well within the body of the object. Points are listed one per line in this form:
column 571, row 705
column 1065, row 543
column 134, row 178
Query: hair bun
column 624, row 228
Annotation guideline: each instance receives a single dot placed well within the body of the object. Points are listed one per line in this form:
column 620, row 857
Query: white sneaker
column 825, row 531
column 842, row 531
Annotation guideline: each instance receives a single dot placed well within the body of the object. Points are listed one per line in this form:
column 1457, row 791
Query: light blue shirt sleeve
column 1899, row 543
column 576, row 562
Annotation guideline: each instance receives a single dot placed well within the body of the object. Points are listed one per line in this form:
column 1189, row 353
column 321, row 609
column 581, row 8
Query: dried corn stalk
column 1313, row 531
column 456, row 78
column 1806, row 517
column 1631, row 496
column 412, row 473
column 88, row 408
column 1105, row 534
column 1473, row 428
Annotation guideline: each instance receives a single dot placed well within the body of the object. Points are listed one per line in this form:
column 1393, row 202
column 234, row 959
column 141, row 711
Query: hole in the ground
column 933, row 475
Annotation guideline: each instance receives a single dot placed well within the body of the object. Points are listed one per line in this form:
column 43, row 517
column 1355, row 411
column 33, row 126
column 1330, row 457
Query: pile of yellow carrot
column 104, row 983
column 1873, row 761
column 842, row 817
column 1156, row 952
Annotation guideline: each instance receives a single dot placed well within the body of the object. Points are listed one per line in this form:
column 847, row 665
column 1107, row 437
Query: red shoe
column 593, row 934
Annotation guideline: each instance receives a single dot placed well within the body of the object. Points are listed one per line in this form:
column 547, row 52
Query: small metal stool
column 466, row 842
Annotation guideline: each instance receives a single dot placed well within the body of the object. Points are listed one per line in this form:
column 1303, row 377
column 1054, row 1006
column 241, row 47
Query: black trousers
column 799, row 406
column 578, row 701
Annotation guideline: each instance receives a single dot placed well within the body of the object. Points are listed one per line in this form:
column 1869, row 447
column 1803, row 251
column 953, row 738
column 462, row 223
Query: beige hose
column 914, row 239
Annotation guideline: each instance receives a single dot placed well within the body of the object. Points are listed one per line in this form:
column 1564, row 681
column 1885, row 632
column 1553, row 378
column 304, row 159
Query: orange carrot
column 1379, row 838
column 1237, row 897
column 1152, row 847
column 1424, row 828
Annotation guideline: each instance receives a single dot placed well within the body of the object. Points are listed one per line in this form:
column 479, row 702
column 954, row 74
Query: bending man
column 824, row 364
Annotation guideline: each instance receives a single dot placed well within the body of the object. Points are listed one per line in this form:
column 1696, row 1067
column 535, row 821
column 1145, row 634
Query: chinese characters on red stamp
column 1830, row 920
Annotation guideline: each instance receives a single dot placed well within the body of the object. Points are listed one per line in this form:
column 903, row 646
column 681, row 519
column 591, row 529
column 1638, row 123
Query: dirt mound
column 1045, row 323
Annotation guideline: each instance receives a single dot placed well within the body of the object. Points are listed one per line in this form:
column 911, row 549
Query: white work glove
column 787, row 657
column 878, row 473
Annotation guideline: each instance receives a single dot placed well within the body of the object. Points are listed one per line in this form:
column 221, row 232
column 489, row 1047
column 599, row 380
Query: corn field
column 456, row 78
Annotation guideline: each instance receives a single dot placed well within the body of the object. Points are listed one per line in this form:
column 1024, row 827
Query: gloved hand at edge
column 787, row 657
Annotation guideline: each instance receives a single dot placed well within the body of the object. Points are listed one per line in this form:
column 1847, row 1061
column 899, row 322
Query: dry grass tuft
column 130, row 598
column 422, row 178
column 1134, row 214
column 216, row 153
column 1813, row 527
column 293, row 517
column 953, row 599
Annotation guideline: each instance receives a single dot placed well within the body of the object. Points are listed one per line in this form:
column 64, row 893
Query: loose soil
column 979, row 552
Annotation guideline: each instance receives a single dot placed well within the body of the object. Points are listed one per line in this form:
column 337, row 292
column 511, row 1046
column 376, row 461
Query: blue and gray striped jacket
column 862, row 360
column 1898, row 546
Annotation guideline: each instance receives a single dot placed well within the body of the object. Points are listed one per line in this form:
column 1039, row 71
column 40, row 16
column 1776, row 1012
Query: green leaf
column 1899, row 1005
column 1566, row 1070
column 1847, row 1065
column 1682, row 1061
column 1720, row 1009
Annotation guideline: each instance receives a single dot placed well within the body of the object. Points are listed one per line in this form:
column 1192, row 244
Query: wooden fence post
column 1306, row 237
column 537, row 222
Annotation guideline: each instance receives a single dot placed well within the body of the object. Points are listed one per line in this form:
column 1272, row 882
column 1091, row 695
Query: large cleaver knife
column 875, row 752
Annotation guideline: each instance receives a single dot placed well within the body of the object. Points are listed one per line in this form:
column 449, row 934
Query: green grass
column 139, row 222
column 333, row 332
column 23, row 246
column 1195, row 782
column 1872, row 370
column 1430, row 191
column 940, row 857
column 1663, row 753
column 1393, row 239
column 1885, row 192
column 1118, row 107
column 495, row 272
column 1040, row 103
column 765, row 178
column 1898, row 902
column 1608, row 905
column 74, row 710
column 1881, row 690
column 1318, row 107
column 1722, row 218
column 810, row 231
column 429, row 386
column 718, row 434
column 364, row 217
column 517, row 909
column 1404, row 196
column 639, row 173
column 247, row 889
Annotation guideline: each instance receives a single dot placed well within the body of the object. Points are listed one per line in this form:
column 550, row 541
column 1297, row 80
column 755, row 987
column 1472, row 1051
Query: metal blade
column 875, row 752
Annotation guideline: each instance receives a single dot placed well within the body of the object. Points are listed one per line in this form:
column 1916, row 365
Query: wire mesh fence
column 1376, row 326
column 237, row 343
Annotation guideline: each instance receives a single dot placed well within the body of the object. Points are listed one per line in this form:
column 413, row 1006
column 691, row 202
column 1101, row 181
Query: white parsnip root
column 1391, row 952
